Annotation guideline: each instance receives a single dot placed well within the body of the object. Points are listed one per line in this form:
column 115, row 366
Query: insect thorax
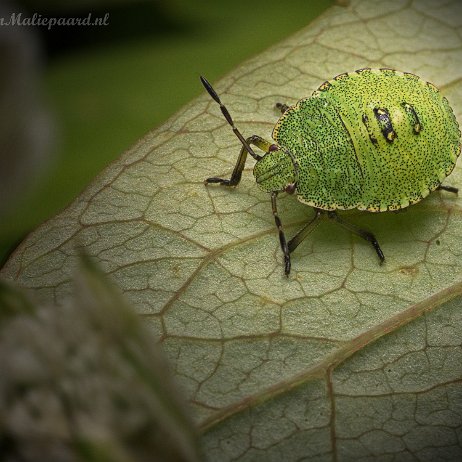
column 329, row 175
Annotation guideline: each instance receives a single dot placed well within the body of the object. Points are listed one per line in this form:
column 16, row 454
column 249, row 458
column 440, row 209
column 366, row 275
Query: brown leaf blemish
column 409, row 270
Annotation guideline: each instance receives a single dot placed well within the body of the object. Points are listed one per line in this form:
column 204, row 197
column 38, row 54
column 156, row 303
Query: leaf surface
column 277, row 368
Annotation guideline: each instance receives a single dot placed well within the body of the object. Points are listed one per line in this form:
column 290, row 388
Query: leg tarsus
column 366, row 235
column 221, row 181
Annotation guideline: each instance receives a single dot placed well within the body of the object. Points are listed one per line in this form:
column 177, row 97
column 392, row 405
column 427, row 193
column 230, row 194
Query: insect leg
column 303, row 233
column 367, row 235
column 239, row 167
column 448, row 188
column 282, row 107
column 282, row 237
column 256, row 140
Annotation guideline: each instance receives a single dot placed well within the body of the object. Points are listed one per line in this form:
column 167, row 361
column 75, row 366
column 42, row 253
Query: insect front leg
column 246, row 149
column 366, row 235
column 282, row 237
column 239, row 167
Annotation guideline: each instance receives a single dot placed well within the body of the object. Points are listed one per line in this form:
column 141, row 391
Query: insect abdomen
column 403, row 133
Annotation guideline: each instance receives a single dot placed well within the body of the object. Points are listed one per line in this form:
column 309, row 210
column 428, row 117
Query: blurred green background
column 107, row 86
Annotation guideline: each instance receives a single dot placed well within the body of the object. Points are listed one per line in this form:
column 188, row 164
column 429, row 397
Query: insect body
column 373, row 139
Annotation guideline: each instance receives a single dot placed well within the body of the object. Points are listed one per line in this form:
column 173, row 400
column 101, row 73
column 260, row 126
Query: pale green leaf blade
column 398, row 399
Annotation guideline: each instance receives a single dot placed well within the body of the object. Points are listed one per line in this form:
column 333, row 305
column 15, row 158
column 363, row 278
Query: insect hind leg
column 448, row 188
column 366, row 235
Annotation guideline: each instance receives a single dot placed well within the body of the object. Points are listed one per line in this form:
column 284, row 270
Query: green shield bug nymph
column 373, row 139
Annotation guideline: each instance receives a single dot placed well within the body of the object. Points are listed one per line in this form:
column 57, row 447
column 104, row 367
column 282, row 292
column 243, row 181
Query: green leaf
column 345, row 359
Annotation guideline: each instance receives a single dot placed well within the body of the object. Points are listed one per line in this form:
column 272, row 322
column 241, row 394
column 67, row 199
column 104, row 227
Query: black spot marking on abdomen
column 386, row 127
column 412, row 117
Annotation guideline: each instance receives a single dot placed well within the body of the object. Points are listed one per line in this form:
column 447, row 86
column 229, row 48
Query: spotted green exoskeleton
column 373, row 139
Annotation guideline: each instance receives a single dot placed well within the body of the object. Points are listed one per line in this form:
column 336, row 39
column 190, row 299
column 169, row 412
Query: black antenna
column 228, row 117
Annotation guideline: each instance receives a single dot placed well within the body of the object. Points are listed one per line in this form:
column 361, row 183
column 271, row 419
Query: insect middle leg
column 255, row 140
column 307, row 229
column 366, row 235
